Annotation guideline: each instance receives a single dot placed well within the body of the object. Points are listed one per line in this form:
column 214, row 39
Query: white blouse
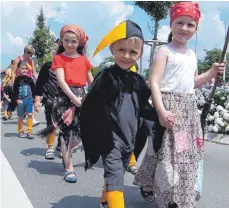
column 179, row 72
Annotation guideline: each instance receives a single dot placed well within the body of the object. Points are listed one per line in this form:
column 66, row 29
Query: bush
column 218, row 117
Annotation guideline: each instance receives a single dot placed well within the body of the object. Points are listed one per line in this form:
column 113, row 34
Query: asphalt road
column 42, row 180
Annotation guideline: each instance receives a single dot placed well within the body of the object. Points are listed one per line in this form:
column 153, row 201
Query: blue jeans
column 25, row 107
column 5, row 105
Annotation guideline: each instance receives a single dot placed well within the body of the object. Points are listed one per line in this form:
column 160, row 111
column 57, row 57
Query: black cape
column 95, row 125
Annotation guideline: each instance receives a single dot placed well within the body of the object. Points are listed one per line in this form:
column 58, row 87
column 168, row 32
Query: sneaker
column 35, row 123
column 30, row 136
column 10, row 118
column 104, row 205
column 4, row 118
column 22, row 135
column 147, row 195
column 49, row 155
column 132, row 169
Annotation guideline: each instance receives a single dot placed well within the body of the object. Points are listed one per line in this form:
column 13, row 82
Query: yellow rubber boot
column 5, row 114
column 29, row 125
column 10, row 114
column 51, row 138
column 20, row 125
column 115, row 199
column 132, row 160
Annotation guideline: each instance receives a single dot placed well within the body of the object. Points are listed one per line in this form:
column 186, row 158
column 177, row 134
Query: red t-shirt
column 75, row 69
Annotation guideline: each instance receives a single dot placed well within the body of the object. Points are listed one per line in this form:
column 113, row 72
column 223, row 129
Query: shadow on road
column 131, row 192
column 47, row 167
column 34, row 151
column 135, row 199
column 77, row 201
column 9, row 122
column 99, row 164
column 11, row 135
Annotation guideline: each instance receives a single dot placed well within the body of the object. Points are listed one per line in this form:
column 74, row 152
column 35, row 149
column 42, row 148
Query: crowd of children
column 114, row 119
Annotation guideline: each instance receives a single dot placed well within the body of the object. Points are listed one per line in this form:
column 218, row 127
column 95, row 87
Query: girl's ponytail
column 81, row 50
column 170, row 37
column 60, row 49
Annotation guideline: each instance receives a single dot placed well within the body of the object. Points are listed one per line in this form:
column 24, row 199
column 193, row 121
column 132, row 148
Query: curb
column 217, row 138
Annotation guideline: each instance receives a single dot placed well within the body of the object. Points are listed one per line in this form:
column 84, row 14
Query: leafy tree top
column 212, row 56
column 42, row 39
column 158, row 10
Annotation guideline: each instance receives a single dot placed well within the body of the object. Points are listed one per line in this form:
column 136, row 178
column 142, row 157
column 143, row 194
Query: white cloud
column 119, row 9
column 211, row 32
column 163, row 33
column 53, row 33
column 146, row 57
column 58, row 13
column 15, row 41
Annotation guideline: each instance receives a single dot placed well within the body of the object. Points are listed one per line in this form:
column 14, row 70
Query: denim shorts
column 25, row 107
column 5, row 105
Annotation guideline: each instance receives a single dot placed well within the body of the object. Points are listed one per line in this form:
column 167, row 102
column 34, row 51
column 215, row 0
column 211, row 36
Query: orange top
column 75, row 69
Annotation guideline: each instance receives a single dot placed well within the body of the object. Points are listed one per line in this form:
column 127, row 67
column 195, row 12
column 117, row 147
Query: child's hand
column 167, row 119
column 77, row 102
column 217, row 69
column 37, row 106
column 19, row 102
column 9, row 100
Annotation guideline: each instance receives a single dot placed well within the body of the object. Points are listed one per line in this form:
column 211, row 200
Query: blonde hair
column 130, row 40
column 29, row 48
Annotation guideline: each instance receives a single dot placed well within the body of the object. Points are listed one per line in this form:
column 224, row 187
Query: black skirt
column 61, row 104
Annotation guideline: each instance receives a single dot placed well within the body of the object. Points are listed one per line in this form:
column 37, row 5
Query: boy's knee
column 29, row 115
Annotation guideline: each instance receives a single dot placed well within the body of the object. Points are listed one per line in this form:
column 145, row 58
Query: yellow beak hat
column 125, row 29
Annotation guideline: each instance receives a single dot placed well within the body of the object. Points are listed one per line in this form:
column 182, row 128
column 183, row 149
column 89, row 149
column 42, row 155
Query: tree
column 95, row 70
column 212, row 56
column 42, row 39
column 109, row 59
column 157, row 10
column 145, row 74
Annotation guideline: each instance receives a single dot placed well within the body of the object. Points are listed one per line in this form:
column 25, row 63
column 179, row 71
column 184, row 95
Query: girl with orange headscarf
column 172, row 169
column 73, row 72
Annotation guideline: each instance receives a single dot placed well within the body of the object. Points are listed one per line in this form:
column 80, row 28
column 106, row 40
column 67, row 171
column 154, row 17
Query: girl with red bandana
column 172, row 170
column 73, row 72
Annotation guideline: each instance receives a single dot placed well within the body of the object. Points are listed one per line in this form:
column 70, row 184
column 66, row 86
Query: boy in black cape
column 111, row 111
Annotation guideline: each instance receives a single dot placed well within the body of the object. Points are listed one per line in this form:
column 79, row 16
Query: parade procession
column 133, row 114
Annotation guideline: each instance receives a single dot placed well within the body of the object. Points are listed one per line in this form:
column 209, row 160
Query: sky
column 97, row 18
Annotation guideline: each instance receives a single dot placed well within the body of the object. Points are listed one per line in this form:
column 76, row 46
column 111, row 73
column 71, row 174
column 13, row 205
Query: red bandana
column 185, row 8
column 83, row 38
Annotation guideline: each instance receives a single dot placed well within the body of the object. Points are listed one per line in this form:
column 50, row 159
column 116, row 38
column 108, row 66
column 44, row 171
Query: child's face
column 28, row 54
column 23, row 70
column 54, row 49
column 183, row 28
column 126, row 52
column 70, row 42
column 9, row 83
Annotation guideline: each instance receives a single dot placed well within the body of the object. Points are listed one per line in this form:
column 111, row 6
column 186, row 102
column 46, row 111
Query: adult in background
column 29, row 51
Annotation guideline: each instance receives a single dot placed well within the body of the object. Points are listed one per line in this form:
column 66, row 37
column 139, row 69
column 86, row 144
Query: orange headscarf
column 83, row 38
column 185, row 8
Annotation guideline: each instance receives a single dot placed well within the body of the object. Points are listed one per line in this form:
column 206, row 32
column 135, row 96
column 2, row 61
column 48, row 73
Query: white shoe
column 35, row 123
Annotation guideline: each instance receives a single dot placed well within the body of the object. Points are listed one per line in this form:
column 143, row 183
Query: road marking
column 12, row 193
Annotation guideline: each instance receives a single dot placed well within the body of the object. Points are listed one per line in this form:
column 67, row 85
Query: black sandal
column 147, row 195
